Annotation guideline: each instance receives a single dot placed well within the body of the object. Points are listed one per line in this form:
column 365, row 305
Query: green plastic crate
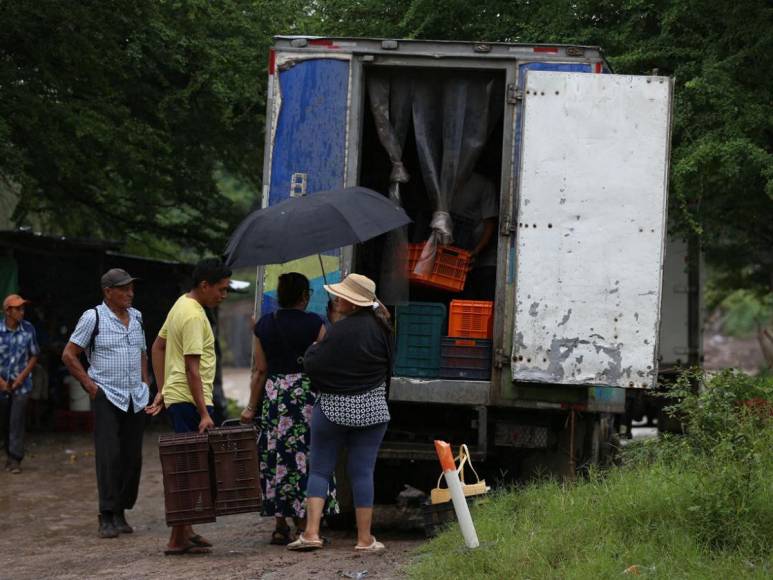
column 419, row 332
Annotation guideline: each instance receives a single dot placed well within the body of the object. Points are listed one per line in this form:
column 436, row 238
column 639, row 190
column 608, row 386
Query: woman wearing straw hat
column 350, row 367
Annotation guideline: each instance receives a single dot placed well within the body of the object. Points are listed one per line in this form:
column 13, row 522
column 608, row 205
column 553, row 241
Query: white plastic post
column 457, row 494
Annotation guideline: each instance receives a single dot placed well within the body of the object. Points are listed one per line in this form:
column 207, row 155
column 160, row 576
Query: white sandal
column 375, row 546
column 304, row 545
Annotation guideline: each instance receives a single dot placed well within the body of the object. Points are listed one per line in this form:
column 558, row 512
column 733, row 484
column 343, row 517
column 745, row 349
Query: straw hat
column 355, row 288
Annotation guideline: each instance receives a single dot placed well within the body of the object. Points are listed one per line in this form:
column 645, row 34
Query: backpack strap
column 95, row 332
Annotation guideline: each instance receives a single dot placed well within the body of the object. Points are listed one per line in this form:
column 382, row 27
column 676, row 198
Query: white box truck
column 579, row 160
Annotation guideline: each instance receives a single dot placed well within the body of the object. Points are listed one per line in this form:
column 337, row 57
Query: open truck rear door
column 308, row 109
column 590, row 225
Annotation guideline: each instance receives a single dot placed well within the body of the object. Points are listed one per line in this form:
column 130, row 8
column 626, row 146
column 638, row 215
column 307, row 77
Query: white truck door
column 591, row 216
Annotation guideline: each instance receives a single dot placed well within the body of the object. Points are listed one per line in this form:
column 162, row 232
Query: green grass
column 676, row 510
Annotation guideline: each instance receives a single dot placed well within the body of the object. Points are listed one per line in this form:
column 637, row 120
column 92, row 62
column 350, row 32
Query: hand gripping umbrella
column 302, row 226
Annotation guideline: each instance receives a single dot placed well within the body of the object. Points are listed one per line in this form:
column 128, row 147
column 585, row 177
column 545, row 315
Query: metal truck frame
column 542, row 408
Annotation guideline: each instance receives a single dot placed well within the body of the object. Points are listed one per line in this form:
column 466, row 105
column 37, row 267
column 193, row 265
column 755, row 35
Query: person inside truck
column 475, row 209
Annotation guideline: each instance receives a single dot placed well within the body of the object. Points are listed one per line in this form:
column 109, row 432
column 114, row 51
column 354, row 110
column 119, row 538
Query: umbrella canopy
column 302, row 226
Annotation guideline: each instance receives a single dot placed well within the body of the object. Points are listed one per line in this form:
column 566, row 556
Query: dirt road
column 49, row 524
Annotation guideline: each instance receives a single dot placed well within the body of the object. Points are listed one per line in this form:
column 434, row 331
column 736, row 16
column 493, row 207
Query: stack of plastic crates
column 466, row 352
column 209, row 474
column 419, row 331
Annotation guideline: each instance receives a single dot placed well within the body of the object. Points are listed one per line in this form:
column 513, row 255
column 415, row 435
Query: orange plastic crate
column 449, row 271
column 471, row 318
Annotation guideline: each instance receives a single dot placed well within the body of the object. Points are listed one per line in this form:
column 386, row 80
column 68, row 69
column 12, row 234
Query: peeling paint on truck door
column 591, row 214
column 308, row 128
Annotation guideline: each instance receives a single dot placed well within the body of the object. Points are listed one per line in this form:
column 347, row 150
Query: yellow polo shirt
column 187, row 331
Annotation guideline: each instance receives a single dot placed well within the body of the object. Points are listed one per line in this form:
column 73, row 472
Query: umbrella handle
column 322, row 267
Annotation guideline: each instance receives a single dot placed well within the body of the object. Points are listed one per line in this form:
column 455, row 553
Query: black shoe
column 120, row 523
column 106, row 527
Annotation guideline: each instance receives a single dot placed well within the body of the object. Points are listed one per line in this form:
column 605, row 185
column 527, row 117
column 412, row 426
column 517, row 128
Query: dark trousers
column 12, row 423
column 118, row 451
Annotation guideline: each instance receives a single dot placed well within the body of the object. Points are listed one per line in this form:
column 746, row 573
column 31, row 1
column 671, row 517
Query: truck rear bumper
column 443, row 391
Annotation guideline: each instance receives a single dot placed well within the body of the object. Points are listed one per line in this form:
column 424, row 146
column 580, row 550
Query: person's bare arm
column 257, row 383
column 144, row 368
column 22, row 376
column 489, row 229
column 157, row 355
column 193, row 376
column 71, row 359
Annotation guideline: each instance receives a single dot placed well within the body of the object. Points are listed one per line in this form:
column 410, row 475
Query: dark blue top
column 285, row 335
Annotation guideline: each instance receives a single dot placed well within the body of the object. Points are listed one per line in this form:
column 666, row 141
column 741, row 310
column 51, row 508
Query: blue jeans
column 327, row 439
column 185, row 417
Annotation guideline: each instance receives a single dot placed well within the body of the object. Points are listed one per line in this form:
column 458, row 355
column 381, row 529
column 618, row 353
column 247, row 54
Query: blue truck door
column 307, row 135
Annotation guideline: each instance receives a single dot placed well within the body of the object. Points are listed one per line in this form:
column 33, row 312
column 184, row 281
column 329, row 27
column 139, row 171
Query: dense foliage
column 115, row 115
column 720, row 55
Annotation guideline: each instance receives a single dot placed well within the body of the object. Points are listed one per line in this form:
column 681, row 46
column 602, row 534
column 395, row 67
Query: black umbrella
column 302, row 226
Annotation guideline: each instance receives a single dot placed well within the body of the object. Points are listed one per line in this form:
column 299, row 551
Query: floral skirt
column 284, row 446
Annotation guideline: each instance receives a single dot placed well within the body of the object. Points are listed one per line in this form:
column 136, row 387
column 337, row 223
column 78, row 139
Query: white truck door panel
column 590, row 228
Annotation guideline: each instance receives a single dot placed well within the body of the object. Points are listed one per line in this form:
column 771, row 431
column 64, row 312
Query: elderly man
column 113, row 337
column 18, row 355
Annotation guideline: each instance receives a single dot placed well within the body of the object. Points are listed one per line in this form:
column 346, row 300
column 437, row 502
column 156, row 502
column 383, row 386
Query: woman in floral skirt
column 287, row 402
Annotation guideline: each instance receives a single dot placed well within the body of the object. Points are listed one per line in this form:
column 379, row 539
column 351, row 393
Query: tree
column 719, row 54
column 116, row 114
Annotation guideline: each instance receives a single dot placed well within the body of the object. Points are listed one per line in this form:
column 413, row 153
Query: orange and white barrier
column 454, row 483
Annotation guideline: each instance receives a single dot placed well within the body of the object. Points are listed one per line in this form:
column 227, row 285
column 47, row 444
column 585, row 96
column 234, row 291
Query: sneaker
column 13, row 465
column 106, row 527
column 120, row 523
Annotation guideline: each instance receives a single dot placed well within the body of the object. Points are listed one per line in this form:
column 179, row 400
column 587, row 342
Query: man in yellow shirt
column 183, row 357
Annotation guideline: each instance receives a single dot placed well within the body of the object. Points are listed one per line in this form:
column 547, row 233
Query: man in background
column 19, row 353
column 113, row 337
column 476, row 209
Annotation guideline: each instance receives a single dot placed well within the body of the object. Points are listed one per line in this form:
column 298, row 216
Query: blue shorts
column 185, row 417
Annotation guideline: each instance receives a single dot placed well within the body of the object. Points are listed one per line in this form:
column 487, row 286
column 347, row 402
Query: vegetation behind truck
column 580, row 159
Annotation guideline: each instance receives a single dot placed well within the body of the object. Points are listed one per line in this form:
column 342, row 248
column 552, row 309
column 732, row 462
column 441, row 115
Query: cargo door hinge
column 507, row 228
column 500, row 359
column 514, row 94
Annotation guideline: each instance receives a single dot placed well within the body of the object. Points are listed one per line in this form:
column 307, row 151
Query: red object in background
column 471, row 319
column 759, row 406
column 449, row 272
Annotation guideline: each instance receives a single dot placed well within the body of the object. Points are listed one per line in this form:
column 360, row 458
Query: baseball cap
column 14, row 301
column 116, row 277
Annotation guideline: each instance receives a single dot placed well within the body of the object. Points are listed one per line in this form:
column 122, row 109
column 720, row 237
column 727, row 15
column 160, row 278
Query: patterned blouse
column 16, row 348
column 360, row 410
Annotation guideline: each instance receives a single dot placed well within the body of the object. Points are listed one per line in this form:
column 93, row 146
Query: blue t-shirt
column 284, row 336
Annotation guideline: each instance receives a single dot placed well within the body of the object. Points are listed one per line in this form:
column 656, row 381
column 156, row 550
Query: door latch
column 514, row 94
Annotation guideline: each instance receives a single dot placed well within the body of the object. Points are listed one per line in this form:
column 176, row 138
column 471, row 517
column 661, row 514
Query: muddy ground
column 49, row 525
